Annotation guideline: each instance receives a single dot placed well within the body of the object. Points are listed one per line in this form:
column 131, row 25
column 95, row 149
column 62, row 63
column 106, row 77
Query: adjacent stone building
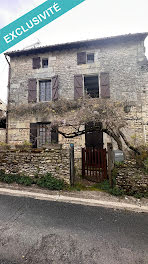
column 113, row 67
column 2, row 122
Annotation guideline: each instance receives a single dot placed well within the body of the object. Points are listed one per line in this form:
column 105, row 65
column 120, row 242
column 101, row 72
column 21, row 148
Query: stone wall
column 131, row 179
column 55, row 160
column 2, row 135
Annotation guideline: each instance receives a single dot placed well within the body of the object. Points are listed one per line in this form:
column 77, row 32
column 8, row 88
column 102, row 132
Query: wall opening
column 91, row 86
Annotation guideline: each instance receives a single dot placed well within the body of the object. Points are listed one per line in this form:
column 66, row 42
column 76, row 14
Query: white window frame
column 38, row 87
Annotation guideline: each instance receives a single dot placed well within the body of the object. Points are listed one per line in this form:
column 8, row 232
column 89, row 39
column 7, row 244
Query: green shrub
column 116, row 191
column 145, row 163
column 25, row 180
column 10, row 178
column 48, row 181
column 45, row 181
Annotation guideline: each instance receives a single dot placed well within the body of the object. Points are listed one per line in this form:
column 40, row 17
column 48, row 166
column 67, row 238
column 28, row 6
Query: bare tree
column 76, row 113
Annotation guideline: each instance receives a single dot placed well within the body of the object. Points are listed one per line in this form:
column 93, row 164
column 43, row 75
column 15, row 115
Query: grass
column 103, row 186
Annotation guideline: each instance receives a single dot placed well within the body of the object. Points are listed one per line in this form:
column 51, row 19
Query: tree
column 76, row 113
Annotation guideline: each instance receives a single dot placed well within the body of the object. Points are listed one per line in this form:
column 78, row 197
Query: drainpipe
column 8, row 96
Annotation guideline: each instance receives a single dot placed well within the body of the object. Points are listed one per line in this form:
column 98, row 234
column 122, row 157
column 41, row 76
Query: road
column 44, row 232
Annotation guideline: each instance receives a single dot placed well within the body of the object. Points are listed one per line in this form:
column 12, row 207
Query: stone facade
column 2, row 135
column 124, row 59
column 132, row 179
column 54, row 160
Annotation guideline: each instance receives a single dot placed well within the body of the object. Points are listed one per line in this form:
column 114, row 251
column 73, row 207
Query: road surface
column 44, row 232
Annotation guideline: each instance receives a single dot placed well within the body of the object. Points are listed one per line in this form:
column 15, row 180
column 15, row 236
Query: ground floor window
column 42, row 134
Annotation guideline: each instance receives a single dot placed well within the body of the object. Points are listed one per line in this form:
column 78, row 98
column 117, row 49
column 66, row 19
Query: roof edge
column 82, row 43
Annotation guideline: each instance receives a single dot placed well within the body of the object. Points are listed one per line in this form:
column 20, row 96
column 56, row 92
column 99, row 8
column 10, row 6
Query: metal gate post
column 110, row 162
column 83, row 162
column 72, row 172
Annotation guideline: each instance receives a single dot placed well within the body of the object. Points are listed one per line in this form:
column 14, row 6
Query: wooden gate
column 94, row 164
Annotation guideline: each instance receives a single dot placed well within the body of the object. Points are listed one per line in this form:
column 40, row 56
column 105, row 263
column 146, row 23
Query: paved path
column 44, row 232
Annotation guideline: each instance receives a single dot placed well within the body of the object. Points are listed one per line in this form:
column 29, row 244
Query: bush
column 11, row 178
column 145, row 163
column 27, row 181
column 48, row 181
column 25, row 146
column 4, row 146
column 116, row 191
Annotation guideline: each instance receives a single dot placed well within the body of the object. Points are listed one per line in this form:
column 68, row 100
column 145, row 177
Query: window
column 83, row 58
column 44, row 134
column 45, row 91
column 47, row 134
column 44, row 63
column 90, row 58
column 94, row 85
column 91, row 86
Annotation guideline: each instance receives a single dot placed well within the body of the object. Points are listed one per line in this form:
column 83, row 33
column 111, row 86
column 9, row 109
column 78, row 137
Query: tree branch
column 82, row 132
column 128, row 144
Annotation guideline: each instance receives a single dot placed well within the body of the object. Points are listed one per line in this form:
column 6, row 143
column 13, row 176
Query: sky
column 91, row 19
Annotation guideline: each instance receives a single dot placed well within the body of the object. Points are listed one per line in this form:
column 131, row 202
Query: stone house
column 113, row 67
column 2, row 122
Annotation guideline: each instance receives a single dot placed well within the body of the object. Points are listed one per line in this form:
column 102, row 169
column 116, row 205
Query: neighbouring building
column 2, row 122
column 113, row 67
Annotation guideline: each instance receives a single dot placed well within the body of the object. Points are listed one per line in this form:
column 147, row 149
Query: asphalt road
column 43, row 232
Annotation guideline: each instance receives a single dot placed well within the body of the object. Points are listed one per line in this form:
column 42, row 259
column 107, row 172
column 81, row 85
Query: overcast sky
column 91, row 19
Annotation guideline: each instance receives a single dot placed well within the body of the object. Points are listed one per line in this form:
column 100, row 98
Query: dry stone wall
column 54, row 160
column 131, row 179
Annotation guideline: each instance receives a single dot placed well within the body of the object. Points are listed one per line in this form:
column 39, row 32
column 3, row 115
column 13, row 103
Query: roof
column 80, row 44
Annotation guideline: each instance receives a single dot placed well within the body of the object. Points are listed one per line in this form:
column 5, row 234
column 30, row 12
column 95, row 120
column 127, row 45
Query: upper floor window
column 91, row 86
column 94, row 85
column 37, row 63
column 83, row 58
column 90, row 58
column 45, row 91
column 44, row 63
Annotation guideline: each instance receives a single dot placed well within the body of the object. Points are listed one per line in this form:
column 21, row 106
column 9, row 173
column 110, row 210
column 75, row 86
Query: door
column 93, row 135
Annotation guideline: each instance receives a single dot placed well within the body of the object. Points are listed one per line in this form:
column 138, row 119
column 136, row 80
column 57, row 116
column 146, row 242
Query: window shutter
column 78, row 86
column 81, row 58
column 104, row 85
column 54, row 135
column 32, row 91
column 33, row 134
column 36, row 63
column 55, row 88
